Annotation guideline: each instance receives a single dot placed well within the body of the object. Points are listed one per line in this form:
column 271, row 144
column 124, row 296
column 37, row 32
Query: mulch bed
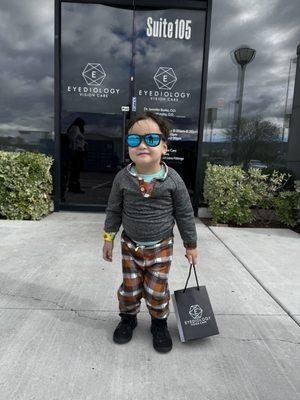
column 254, row 224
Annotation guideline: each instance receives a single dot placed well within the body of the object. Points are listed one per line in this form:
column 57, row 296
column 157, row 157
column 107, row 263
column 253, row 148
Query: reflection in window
column 268, row 85
column 27, row 62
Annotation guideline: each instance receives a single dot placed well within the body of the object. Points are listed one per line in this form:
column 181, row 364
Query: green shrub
column 232, row 193
column 267, row 188
column 289, row 174
column 25, row 185
column 229, row 194
column 286, row 208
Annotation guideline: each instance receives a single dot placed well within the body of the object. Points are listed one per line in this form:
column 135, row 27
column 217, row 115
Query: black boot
column 123, row 332
column 162, row 341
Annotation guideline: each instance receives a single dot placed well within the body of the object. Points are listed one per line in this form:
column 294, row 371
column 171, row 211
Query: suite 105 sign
column 162, row 28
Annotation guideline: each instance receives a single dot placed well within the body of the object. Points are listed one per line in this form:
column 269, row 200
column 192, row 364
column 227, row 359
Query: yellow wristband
column 109, row 236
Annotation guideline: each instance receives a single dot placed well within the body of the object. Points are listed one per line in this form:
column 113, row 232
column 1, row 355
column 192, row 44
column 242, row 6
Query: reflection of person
column 115, row 161
column 146, row 197
column 65, row 160
column 78, row 148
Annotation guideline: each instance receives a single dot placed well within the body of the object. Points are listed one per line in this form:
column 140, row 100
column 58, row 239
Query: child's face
column 144, row 155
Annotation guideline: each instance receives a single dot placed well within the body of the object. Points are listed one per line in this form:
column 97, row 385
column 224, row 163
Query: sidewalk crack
column 86, row 316
column 31, row 297
column 77, row 312
column 256, row 339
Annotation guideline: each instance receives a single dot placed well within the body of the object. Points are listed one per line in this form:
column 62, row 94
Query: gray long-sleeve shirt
column 151, row 218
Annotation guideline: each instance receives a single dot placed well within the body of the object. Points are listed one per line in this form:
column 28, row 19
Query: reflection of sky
column 272, row 29
column 92, row 34
column 27, row 57
column 183, row 56
column 27, row 66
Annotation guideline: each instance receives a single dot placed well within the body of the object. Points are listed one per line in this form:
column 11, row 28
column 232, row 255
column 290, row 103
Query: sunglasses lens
column 152, row 139
column 133, row 140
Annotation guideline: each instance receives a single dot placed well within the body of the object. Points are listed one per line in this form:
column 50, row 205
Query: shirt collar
column 164, row 165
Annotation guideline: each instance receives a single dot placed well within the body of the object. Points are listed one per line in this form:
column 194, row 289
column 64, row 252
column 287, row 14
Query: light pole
column 286, row 117
column 243, row 55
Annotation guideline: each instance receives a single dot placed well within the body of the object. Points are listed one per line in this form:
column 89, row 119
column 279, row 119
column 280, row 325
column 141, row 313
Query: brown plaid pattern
column 145, row 274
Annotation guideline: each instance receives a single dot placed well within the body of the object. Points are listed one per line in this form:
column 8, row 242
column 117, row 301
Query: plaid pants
column 145, row 274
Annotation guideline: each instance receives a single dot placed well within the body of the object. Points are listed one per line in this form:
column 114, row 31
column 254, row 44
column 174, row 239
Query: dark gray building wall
column 293, row 155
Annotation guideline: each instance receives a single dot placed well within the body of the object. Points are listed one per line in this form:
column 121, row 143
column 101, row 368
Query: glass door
column 116, row 62
column 96, row 62
column 168, row 58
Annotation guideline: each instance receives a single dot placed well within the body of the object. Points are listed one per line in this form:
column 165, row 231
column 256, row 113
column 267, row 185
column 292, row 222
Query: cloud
column 26, row 63
column 273, row 31
column 27, row 54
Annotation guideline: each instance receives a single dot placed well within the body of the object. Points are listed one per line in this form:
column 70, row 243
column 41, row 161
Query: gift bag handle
column 191, row 265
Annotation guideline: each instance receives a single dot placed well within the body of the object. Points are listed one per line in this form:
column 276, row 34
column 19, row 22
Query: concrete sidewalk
column 58, row 310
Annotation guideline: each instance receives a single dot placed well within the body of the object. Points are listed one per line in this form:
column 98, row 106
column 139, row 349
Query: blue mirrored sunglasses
column 151, row 139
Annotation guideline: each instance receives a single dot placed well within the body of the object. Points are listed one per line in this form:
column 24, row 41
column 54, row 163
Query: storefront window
column 168, row 58
column 96, row 58
column 26, row 80
column 152, row 60
column 272, row 30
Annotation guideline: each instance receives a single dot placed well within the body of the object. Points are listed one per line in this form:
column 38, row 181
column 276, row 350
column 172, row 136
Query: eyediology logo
column 165, row 78
column 196, row 311
column 93, row 74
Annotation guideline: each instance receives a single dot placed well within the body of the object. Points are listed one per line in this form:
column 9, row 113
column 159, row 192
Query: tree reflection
column 258, row 139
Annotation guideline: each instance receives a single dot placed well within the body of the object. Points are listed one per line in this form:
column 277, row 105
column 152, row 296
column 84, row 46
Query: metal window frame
column 150, row 4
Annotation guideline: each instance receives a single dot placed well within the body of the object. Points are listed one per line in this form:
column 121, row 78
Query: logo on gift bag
column 196, row 311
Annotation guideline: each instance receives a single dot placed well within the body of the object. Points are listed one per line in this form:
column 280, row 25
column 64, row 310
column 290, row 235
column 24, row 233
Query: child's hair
column 163, row 123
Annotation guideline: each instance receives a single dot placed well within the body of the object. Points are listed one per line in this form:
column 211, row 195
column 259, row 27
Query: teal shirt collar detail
column 131, row 169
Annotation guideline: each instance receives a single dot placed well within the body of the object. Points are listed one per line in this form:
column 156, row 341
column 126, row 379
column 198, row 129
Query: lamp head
column 243, row 55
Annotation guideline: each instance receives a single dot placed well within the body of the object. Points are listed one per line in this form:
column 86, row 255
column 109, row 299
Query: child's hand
column 191, row 255
column 107, row 250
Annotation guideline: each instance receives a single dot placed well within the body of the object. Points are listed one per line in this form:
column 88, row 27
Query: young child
column 147, row 197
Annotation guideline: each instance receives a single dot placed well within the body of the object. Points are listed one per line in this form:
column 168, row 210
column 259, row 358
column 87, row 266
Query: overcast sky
column 271, row 27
